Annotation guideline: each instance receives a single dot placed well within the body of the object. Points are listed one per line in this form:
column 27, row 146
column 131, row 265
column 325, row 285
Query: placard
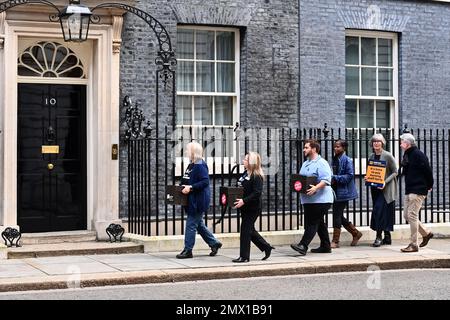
column 376, row 170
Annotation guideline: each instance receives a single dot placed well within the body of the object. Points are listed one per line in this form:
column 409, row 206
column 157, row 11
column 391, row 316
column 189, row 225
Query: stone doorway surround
column 102, row 58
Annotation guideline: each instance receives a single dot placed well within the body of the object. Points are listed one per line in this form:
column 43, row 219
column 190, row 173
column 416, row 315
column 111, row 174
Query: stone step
column 72, row 249
column 58, row 237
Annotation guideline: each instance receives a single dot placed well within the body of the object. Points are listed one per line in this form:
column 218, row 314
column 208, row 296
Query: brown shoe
column 426, row 239
column 410, row 248
column 354, row 232
column 336, row 236
column 334, row 245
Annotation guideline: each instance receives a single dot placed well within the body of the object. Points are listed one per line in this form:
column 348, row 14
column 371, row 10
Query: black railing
column 150, row 170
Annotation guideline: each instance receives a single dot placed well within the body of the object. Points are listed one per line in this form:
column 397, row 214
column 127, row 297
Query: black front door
column 51, row 157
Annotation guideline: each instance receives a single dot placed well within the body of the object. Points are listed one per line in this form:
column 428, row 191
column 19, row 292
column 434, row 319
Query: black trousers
column 248, row 233
column 338, row 214
column 314, row 223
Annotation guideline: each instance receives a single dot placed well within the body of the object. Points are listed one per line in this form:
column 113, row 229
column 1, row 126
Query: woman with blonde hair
column 251, row 208
column 196, row 185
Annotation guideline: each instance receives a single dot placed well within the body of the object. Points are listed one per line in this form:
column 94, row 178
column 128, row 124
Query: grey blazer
column 390, row 190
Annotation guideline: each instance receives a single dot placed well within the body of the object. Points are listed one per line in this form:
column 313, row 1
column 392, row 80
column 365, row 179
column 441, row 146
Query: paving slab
column 21, row 269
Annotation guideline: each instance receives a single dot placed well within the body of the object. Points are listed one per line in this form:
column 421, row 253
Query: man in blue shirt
column 317, row 201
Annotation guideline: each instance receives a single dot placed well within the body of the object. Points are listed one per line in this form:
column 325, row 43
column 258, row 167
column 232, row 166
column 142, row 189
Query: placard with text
column 376, row 170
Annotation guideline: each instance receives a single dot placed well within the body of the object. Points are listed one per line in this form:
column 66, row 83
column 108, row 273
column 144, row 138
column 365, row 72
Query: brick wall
column 424, row 57
column 269, row 60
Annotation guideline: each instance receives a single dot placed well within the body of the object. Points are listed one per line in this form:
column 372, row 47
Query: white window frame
column 394, row 111
column 235, row 98
column 235, row 94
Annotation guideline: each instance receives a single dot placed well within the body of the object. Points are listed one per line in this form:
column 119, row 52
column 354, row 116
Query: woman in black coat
column 251, row 208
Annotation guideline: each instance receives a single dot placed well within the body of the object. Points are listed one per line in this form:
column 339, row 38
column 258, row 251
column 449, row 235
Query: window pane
column 366, row 113
column 185, row 78
column 368, row 51
column 385, row 86
column 229, row 139
column 205, row 76
column 184, row 110
column 205, row 45
column 22, row 71
column 203, row 110
column 352, row 80
column 350, row 114
column 351, row 50
column 385, row 52
column 369, row 83
column 225, row 46
column 224, row 111
column 185, row 44
column 225, row 77
column 383, row 114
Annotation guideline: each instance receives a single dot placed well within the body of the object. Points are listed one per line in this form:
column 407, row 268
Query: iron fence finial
column 325, row 130
column 405, row 129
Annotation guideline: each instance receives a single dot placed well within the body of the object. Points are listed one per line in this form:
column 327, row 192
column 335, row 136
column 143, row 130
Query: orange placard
column 376, row 170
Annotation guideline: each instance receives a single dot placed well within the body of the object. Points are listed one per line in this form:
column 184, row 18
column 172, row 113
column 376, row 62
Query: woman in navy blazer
column 251, row 208
column 343, row 184
column 196, row 185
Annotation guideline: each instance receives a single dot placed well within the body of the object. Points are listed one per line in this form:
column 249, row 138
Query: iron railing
column 156, row 161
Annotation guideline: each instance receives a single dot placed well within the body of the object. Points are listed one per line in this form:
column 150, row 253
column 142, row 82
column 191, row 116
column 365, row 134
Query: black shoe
column 240, row 259
column 185, row 254
column 268, row 252
column 300, row 248
column 215, row 248
column 321, row 250
column 387, row 238
column 377, row 242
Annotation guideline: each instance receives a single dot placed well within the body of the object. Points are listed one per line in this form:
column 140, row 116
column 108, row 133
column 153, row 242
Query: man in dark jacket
column 416, row 169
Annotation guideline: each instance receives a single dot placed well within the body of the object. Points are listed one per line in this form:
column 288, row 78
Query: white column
column 107, row 206
column 2, row 112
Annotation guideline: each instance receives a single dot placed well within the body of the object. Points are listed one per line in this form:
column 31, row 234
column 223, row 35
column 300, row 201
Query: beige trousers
column 413, row 203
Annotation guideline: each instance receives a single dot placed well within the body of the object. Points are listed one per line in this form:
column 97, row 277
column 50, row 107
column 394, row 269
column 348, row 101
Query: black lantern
column 75, row 20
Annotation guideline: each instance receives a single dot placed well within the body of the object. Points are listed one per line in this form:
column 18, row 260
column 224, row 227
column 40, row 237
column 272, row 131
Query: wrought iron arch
column 166, row 57
column 14, row 3
column 161, row 33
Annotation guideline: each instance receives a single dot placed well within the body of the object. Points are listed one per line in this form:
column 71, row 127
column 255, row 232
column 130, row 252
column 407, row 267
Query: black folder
column 174, row 196
column 228, row 195
column 301, row 183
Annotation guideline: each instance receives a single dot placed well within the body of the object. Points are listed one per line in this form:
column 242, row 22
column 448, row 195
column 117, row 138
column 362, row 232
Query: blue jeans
column 194, row 223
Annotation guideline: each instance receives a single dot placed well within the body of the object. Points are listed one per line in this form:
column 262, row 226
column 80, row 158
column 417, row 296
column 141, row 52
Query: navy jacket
column 343, row 181
column 253, row 187
column 200, row 196
column 417, row 171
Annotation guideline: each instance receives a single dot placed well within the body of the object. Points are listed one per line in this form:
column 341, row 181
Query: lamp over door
column 75, row 20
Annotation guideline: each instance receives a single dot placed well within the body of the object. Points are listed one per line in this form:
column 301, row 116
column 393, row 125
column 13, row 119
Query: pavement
column 120, row 269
